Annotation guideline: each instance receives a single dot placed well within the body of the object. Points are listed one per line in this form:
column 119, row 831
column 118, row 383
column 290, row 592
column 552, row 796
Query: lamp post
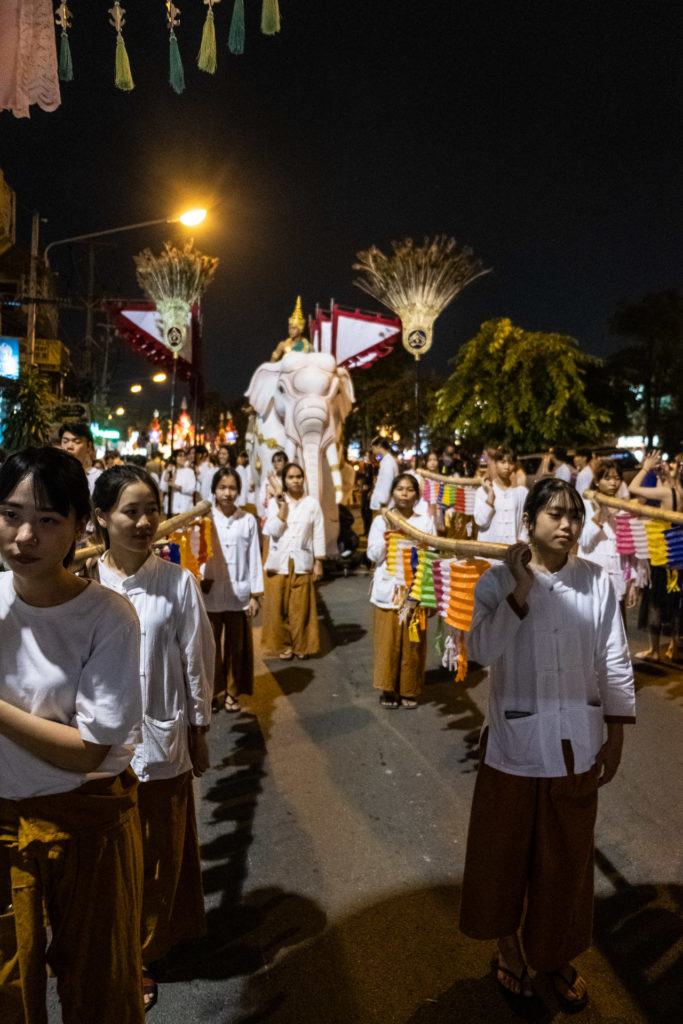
column 190, row 218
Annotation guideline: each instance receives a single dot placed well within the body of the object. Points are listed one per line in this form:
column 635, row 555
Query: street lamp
column 190, row 219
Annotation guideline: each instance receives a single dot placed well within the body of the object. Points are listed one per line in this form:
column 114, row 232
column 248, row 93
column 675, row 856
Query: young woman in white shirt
column 499, row 503
column 296, row 530
column 232, row 585
column 399, row 662
column 561, row 688
column 176, row 678
column 70, row 711
column 598, row 540
column 178, row 483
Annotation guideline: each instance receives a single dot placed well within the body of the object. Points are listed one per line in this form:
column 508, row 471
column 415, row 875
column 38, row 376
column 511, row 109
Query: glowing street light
column 158, row 378
column 192, row 217
column 120, row 411
column 136, row 388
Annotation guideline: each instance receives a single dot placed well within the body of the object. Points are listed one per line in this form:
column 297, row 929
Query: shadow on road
column 640, row 930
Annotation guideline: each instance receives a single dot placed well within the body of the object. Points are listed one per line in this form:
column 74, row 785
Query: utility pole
column 89, row 341
column 32, row 288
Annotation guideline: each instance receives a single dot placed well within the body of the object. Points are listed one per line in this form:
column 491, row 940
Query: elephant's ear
column 262, row 387
column 346, row 393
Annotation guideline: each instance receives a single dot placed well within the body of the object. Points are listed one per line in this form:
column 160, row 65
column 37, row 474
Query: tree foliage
column 385, row 398
column 523, row 387
column 26, row 420
column 654, row 360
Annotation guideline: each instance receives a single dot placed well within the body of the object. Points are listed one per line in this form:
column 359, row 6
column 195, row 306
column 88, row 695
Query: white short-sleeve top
column 74, row 663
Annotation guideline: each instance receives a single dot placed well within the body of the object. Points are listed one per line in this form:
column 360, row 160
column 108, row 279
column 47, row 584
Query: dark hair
column 551, row 491
column 605, row 466
column 405, row 476
column 279, row 454
column 79, row 429
column 58, row 480
column 425, row 458
column 108, row 488
column 501, row 451
column 201, row 450
column 225, row 471
column 179, row 451
column 244, row 454
column 380, row 442
column 585, row 453
column 285, row 471
column 561, row 454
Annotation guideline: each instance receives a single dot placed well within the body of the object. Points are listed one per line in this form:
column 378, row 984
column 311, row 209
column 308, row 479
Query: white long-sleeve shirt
column 388, row 471
column 584, row 479
column 558, row 672
column 301, row 537
column 204, row 478
column 177, row 652
column 235, row 564
column 183, row 499
column 599, row 544
column 502, row 522
column 244, row 496
column 383, row 584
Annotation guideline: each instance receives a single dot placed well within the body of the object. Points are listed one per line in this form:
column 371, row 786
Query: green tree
column 385, row 397
column 523, row 387
column 27, row 419
column 654, row 360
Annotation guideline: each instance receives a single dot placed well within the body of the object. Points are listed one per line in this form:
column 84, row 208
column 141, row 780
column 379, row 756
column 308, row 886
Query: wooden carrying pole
column 635, row 508
column 166, row 528
column 448, row 545
column 459, row 481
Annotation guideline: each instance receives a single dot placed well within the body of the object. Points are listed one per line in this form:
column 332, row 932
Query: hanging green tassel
column 236, row 37
column 66, row 68
column 270, row 17
column 124, row 78
column 206, row 61
column 176, row 76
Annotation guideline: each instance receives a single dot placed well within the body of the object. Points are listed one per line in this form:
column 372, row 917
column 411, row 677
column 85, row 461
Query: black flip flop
column 568, row 1005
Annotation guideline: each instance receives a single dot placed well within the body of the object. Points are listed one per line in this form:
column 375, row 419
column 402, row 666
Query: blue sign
column 9, row 358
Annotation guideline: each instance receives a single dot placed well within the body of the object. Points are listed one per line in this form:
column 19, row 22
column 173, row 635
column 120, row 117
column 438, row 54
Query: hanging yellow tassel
column 270, row 17
column 462, row 661
column 123, row 77
column 672, row 586
column 206, row 60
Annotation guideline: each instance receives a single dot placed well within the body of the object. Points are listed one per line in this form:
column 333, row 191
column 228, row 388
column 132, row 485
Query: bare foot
column 649, row 655
column 511, row 969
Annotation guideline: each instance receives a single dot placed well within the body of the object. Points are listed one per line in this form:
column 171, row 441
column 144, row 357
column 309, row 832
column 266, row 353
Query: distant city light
column 120, row 411
column 135, row 388
column 159, row 377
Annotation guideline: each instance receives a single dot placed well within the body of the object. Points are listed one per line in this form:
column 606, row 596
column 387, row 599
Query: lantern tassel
column 176, row 76
column 206, row 61
column 124, row 78
column 66, row 68
column 236, row 37
column 270, row 17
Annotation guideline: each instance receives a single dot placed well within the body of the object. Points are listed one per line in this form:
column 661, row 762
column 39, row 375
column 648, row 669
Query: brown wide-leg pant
column 172, row 892
column 531, row 839
column 234, row 666
column 399, row 661
column 290, row 615
column 76, row 857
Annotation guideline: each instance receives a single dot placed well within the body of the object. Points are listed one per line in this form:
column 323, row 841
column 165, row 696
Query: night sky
column 545, row 135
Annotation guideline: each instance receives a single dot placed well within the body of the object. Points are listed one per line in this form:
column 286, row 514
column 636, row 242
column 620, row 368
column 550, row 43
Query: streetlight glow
column 120, row 411
column 158, row 378
column 192, row 217
column 135, row 388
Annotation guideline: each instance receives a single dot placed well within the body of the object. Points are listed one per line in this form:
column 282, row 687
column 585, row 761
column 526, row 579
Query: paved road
column 333, row 837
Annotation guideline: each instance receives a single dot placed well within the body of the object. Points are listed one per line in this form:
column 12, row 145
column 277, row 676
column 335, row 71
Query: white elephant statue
column 300, row 405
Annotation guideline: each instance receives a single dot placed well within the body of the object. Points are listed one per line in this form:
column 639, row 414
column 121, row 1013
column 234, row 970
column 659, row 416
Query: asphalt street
column 333, row 835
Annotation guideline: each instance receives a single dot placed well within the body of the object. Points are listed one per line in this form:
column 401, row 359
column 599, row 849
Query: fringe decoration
column 66, row 68
column 176, row 76
column 236, row 37
column 270, row 17
column 206, row 61
column 124, row 78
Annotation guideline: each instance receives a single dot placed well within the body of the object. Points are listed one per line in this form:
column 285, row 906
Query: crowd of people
column 111, row 674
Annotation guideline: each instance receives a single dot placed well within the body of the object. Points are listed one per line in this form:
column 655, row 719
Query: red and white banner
column 353, row 337
column 138, row 325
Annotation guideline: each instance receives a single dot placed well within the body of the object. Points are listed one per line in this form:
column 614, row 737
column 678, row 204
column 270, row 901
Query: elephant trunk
column 310, row 446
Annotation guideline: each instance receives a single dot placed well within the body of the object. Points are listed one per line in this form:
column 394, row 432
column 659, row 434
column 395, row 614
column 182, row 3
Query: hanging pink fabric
column 28, row 56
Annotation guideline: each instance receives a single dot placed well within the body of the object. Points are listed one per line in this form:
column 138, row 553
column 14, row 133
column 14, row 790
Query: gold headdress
column 297, row 317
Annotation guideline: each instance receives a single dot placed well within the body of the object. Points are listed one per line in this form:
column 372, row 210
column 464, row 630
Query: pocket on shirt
column 164, row 742
column 518, row 739
column 587, row 733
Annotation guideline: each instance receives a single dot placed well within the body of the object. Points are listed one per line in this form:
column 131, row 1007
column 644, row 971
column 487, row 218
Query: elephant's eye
column 281, row 388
